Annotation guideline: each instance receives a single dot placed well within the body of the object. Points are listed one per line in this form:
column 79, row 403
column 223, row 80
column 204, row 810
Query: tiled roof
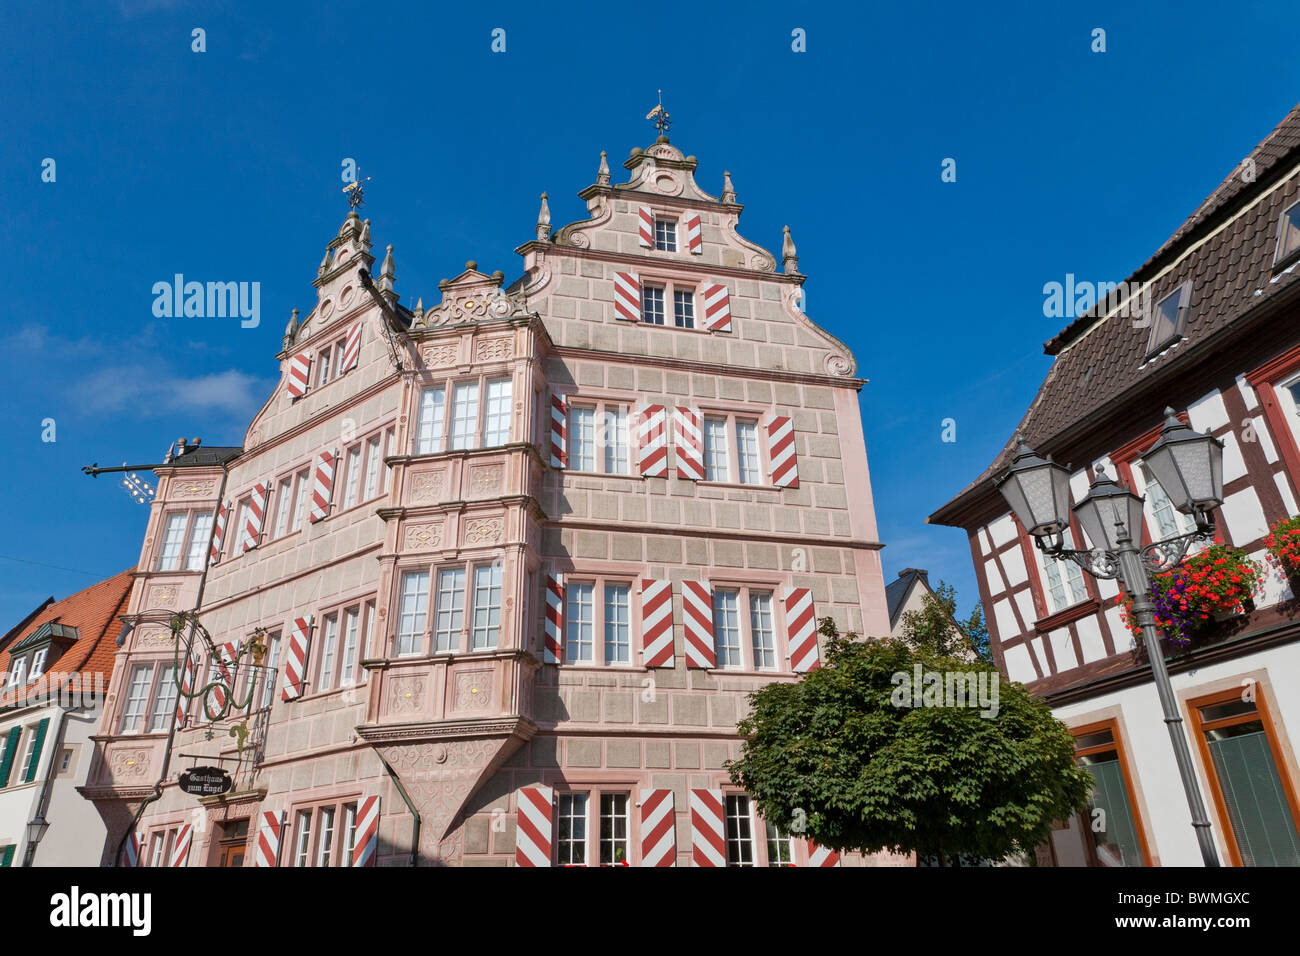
column 207, row 456
column 896, row 591
column 93, row 612
column 1099, row 360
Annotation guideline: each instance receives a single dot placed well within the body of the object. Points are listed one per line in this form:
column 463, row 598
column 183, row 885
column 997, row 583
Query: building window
column 325, row 841
column 598, row 634
column 665, row 234
column 18, row 672
column 388, row 469
column 1239, row 746
column 173, row 539
column 300, row 499
column 780, row 847
column 329, row 646
column 684, row 310
column 372, row 467
column 613, row 829
column 740, row 831
column 176, row 541
column 323, row 370
column 1110, row 828
column 464, row 414
column 38, row 665
column 353, row 482
column 618, row 641
column 496, row 426
column 283, row 506
column 411, row 613
column 1169, row 319
column 200, row 533
column 474, row 423
column 571, row 829
column 164, row 701
column 747, row 453
column 302, row 851
column 450, row 621
column 744, row 641
column 432, row 412
column 598, row 438
column 137, row 695
column 1288, row 403
column 1062, row 580
column 718, row 449
column 324, row 835
column 1288, row 236
column 272, row 662
column 1163, row 520
column 716, row 466
column 652, row 304
column 579, row 624
column 582, row 438
column 487, row 607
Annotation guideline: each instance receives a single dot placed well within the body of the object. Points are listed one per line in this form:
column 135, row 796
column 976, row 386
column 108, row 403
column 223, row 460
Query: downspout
column 189, row 647
column 415, row 814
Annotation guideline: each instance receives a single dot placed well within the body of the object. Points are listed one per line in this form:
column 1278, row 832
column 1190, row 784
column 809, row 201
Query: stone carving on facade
column 484, row 530
column 666, row 183
column 194, row 489
column 427, row 487
column 473, row 304
column 494, row 350
column 406, row 695
column 473, row 690
column 422, row 537
column 128, row 764
column 485, row 479
column 840, row 360
column 440, row 356
column 162, row 596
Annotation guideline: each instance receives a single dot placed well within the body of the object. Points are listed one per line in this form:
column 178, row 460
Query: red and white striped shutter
column 219, row 535
column 189, row 678
column 717, row 307
column 627, row 296
column 781, row 453
column 181, row 848
column 533, row 826
column 132, row 850
column 295, row 658
column 322, row 484
column 697, row 624
column 652, row 440
column 299, row 374
column 252, row 530
column 268, row 839
column 365, row 851
column 820, row 856
column 657, row 623
column 694, row 243
column 708, row 832
column 646, row 231
column 658, row 828
column 801, row 628
column 226, row 654
column 559, row 431
column 351, row 348
column 690, row 445
column 554, row 618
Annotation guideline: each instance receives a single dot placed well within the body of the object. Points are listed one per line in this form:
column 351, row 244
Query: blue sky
column 224, row 165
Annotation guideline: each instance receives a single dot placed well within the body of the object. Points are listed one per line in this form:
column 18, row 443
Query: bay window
column 466, row 611
column 464, row 414
column 474, row 423
column 185, row 532
column 412, row 611
column 137, row 696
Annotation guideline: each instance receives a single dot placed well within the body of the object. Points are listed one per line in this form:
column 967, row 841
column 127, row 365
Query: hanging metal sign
column 205, row 781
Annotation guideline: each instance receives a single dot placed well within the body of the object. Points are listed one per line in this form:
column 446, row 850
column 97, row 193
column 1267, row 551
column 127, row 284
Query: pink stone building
column 520, row 556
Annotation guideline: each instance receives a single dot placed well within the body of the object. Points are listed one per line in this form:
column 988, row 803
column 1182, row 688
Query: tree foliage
column 935, row 628
column 832, row 752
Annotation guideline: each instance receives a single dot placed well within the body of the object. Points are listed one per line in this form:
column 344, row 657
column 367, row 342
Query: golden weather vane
column 356, row 191
column 659, row 116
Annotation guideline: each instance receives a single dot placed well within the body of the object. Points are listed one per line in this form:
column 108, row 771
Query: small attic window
column 665, row 234
column 1288, row 237
column 1169, row 319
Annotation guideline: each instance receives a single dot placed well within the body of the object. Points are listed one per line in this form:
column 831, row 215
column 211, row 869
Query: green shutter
column 7, row 761
column 36, row 750
column 7, row 856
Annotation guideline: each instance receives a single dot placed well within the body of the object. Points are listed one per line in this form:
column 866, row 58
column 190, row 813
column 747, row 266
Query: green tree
column 936, row 630
column 836, row 753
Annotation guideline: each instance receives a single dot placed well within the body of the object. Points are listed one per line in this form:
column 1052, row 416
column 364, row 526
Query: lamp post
column 1189, row 466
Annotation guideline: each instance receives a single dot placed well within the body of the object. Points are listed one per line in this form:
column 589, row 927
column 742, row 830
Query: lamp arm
column 1097, row 562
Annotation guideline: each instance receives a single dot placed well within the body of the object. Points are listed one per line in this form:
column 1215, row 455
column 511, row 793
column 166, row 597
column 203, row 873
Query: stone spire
column 387, row 272
column 544, row 221
column 365, row 235
column 728, row 190
column 602, row 174
column 419, row 312
column 324, row 263
column 789, row 255
column 291, row 330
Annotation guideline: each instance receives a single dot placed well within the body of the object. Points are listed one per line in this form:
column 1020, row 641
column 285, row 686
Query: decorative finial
column 365, row 233
column 544, row 221
column 602, row 174
column 387, row 271
column 291, row 330
column 728, row 190
column 789, row 255
column 356, row 191
column 324, row 263
column 662, row 122
column 419, row 311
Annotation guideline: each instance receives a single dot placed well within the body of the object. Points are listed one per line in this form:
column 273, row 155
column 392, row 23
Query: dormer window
column 665, row 234
column 38, row 665
column 1169, row 319
column 1288, row 236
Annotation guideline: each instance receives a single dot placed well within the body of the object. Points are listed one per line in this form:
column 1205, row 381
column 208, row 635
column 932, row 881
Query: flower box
column 1208, row 587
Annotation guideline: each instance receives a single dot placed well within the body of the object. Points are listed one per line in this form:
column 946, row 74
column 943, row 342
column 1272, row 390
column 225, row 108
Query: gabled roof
column 896, row 591
column 93, row 613
column 1226, row 250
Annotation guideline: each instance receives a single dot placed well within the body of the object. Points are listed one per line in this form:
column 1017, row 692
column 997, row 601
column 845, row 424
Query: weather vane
column 659, row 116
column 356, row 191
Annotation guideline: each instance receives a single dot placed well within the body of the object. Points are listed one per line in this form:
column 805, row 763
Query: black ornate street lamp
column 1189, row 466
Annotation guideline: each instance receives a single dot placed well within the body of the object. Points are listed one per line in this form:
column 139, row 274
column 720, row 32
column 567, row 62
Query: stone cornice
column 512, row 726
column 711, row 368
column 632, row 259
column 730, row 534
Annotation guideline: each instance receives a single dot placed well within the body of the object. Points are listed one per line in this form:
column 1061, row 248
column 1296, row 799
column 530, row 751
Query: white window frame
column 745, row 593
column 1158, row 343
column 736, row 472
column 730, row 799
column 129, row 698
column 497, row 411
column 37, row 666
column 303, row 479
column 679, row 314
column 172, row 546
column 409, row 642
column 666, row 235
column 1067, row 573
column 1283, row 252
column 352, row 481
column 607, row 450
column 162, row 703
column 600, row 636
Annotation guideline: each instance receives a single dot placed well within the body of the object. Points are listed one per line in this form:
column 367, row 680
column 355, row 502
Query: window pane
column 373, row 465
column 684, row 310
column 740, row 837
column 726, row 628
column 780, row 848
column 1289, row 239
column 1166, row 521
column 747, row 452
column 283, row 506
column 464, row 415
column 715, row 450
column 652, row 305
column 199, row 534
column 326, row 843
column 164, row 702
column 760, row 625
column 432, row 410
column 354, row 477
column 618, row 642
column 451, row 609
column 300, row 500
column 613, row 828
column 497, row 426
column 1252, row 791
column 324, row 368
column 571, row 842
column 616, row 442
column 487, row 607
column 351, row 631
column 173, row 538
column 411, row 616
column 388, row 469
column 1165, row 319
column 1116, row 842
column 666, row 235
column 329, row 645
column 578, row 623
column 303, row 844
column 137, row 693
column 271, row 662
column 582, row 439
column 349, row 832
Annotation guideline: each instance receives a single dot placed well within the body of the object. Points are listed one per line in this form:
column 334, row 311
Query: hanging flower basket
column 1215, row 584
column 1283, row 544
